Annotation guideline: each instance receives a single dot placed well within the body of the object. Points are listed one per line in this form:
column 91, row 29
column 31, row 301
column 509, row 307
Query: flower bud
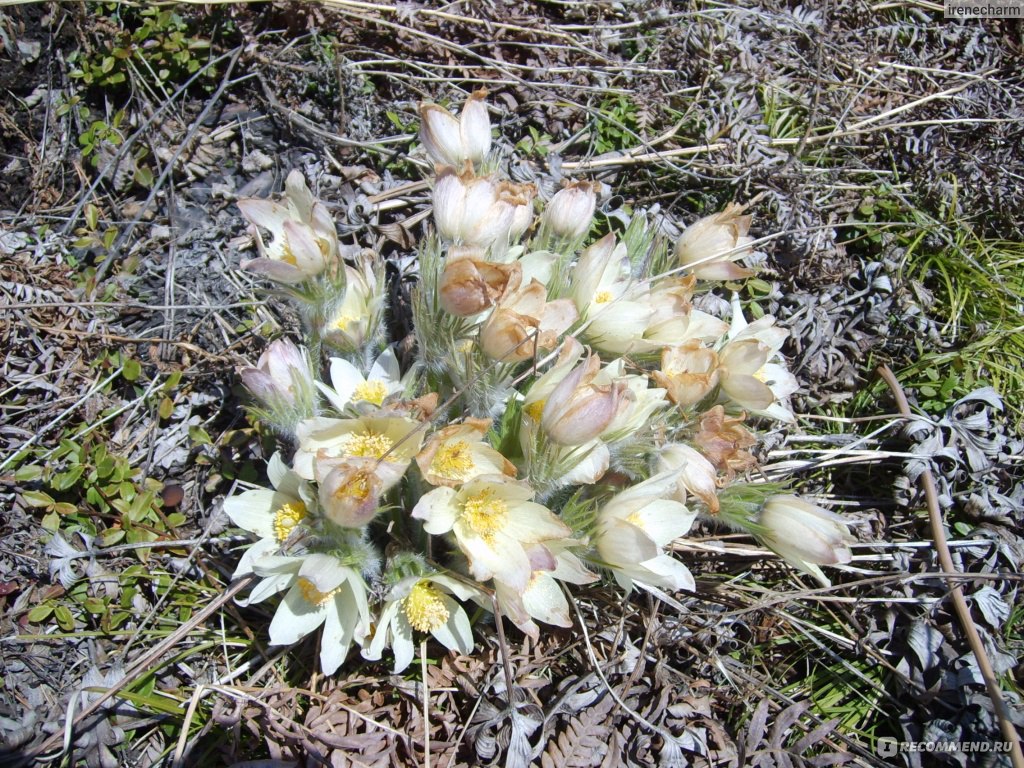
column 714, row 243
column 451, row 141
column 283, row 383
column 472, row 210
column 468, row 286
column 804, row 535
column 524, row 321
column 578, row 410
column 571, row 210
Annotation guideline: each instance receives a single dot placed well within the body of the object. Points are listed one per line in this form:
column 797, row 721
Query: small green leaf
column 64, row 618
column 51, row 522
column 40, row 613
column 28, row 473
column 64, row 508
column 38, row 499
column 199, row 436
column 132, row 369
column 111, row 536
column 66, row 480
column 166, row 408
column 94, row 605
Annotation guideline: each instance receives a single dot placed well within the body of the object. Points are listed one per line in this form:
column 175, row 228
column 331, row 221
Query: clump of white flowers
column 568, row 412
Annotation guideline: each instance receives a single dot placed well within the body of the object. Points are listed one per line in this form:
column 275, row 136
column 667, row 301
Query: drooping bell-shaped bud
column 578, row 410
column 451, row 141
column 570, row 212
column 712, row 245
column 804, row 535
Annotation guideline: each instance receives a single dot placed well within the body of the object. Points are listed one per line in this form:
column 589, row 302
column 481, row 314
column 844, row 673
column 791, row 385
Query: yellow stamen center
column 286, row 518
column 370, row 392
column 372, row 445
column 535, row 409
column 311, row 594
column 762, row 376
column 342, row 322
column 484, row 514
column 424, row 608
column 452, row 461
column 286, row 251
column 357, row 488
column 603, row 297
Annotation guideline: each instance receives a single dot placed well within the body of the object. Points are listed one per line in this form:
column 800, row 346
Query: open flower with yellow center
column 493, row 519
column 422, row 604
column 350, row 389
column 386, row 443
column 458, row 453
column 355, row 319
column 273, row 515
column 635, row 525
column 615, row 309
column 304, row 241
column 321, row 591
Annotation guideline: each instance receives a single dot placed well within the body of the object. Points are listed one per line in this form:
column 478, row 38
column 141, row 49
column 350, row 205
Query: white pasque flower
column 752, row 372
column 270, row 514
column 635, row 525
column 356, row 318
column 423, row 604
column 350, row 388
column 459, row 452
column 694, row 474
column 494, row 520
column 451, row 141
column 804, row 535
column 304, row 240
column 321, row 591
column 712, row 245
column 570, row 211
column 385, row 443
column 615, row 310
column 479, row 210
column 543, row 598
column 283, row 383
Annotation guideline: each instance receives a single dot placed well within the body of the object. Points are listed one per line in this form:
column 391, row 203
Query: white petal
column 545, row 601
column 295, row 618
column 456, row 634
column 253, row 555
column 337, row 636
column 663, row 520
column 345, row 377
column 267, row 587
column 385, row 367
column 670, row 573
column 375, row 649
column 401, row 642
column 254, row 510
column 437, row 511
